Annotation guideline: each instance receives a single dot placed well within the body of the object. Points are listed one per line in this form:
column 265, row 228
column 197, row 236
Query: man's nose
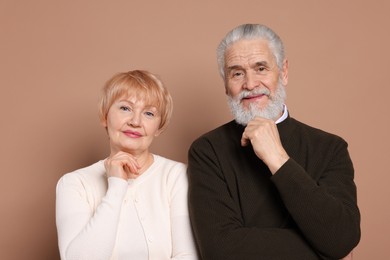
column 251, row 81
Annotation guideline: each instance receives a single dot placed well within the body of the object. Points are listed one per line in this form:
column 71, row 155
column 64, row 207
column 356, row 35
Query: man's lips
column 253, row 97
column 133, row 134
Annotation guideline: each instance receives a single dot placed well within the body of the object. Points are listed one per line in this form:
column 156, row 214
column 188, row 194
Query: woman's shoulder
column 169, row 164
column 170, row 169
column 90, row 174
column 172, row 174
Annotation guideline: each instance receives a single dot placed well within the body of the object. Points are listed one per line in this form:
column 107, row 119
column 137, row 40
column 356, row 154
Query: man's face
column 253, row 80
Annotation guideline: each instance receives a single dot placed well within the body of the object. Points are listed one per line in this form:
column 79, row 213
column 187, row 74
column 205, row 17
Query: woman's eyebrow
column 125, row 101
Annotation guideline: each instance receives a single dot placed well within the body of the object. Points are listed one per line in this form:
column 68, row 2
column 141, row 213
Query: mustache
column 257, row 91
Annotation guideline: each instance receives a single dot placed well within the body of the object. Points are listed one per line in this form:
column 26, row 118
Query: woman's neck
column 145, row 162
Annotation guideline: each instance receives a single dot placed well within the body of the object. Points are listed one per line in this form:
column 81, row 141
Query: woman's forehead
column 141, row 97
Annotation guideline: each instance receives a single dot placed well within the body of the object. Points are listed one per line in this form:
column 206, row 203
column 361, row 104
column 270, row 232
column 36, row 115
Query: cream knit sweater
column 145, row 218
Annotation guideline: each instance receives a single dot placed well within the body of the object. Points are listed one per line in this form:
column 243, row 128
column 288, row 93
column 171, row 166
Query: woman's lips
column 132, row 134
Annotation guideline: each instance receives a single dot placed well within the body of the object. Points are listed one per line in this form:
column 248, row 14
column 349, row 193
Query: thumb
column 244, row 141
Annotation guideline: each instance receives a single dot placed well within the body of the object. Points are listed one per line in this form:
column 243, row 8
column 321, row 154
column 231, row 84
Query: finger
column 244, row 140
column 121, row 165
column 127, row 159
column 131, row 167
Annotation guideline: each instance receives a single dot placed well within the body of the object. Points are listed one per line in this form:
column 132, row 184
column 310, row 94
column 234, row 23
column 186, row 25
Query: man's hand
column 264, row 136
column 122, row 165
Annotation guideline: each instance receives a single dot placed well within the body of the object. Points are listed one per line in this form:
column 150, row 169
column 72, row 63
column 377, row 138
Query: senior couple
column 263, row 186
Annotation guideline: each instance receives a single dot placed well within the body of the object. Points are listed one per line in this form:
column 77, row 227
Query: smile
column 132, row 134
column 252, row 97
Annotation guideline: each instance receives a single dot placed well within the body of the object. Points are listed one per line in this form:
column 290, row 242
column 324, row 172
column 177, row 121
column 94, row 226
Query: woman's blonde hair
column 142, row 84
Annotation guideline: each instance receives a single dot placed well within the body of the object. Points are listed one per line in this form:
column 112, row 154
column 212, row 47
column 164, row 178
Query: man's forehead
column 248, row 51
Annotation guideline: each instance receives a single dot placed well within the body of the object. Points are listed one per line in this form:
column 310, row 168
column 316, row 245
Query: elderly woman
column 133, row 204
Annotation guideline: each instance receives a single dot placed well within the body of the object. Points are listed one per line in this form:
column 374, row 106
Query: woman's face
column 132, row 125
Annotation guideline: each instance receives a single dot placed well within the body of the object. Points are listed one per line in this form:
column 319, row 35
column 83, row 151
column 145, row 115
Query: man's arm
column 325, row 210
column 322, row 202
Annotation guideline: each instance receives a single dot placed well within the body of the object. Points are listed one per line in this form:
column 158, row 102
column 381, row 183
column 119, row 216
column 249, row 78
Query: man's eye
column 261, row 69
column 236, row 74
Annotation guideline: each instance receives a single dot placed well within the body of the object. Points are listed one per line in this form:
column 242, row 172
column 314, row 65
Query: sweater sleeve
column 83, row 233
column 183, row 244
column 325, row 210
column 219, row 227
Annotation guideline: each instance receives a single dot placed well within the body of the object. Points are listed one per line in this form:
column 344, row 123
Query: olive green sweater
column 306, row 210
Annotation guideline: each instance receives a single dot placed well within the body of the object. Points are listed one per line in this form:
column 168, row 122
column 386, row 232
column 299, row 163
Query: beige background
column 56, row 55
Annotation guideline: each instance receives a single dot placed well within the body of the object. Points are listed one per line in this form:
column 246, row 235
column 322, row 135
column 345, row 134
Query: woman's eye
column 124, row 108
column 150, row 114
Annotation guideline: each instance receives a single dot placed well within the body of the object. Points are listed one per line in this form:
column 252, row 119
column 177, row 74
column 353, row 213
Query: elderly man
column 266, row 186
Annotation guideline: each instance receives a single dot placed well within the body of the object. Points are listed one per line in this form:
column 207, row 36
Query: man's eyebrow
column 261, row 63
column 234, row 67
column 256, row 64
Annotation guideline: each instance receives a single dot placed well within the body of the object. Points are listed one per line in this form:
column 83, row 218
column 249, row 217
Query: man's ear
column 226, row 86
column 103, row 122
column 284, row 75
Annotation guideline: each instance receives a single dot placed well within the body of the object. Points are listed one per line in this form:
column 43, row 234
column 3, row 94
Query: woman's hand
column 122, row 165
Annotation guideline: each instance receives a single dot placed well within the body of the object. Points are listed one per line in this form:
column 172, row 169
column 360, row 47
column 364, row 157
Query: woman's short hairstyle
column 142, row 84
column 250, row 32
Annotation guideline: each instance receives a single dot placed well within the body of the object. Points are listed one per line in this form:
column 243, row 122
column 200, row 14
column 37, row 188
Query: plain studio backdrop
column 56, row 55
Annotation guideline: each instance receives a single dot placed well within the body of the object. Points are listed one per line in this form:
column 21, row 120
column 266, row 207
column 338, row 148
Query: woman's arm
column 183, row 244
column 82, row 232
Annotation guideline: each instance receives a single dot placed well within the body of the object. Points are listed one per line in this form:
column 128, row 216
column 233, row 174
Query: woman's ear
column 103, row 122
column 158, row 132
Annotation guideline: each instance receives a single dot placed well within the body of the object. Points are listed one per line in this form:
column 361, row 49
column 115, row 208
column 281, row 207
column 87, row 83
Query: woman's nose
column 134, row 120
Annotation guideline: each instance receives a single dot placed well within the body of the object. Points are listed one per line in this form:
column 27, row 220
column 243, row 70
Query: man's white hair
column 250, row 32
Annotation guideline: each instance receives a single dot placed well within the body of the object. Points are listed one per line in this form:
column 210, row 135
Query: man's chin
column 258, row 105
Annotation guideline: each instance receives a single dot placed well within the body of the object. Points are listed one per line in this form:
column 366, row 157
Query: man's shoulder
column 225, row 131
column 314, row 132
column 220, row 138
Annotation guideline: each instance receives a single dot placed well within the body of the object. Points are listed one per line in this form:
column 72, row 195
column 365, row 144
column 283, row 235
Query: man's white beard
column 273, row 110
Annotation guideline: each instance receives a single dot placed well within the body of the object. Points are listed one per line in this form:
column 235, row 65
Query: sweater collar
column 286, row 128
